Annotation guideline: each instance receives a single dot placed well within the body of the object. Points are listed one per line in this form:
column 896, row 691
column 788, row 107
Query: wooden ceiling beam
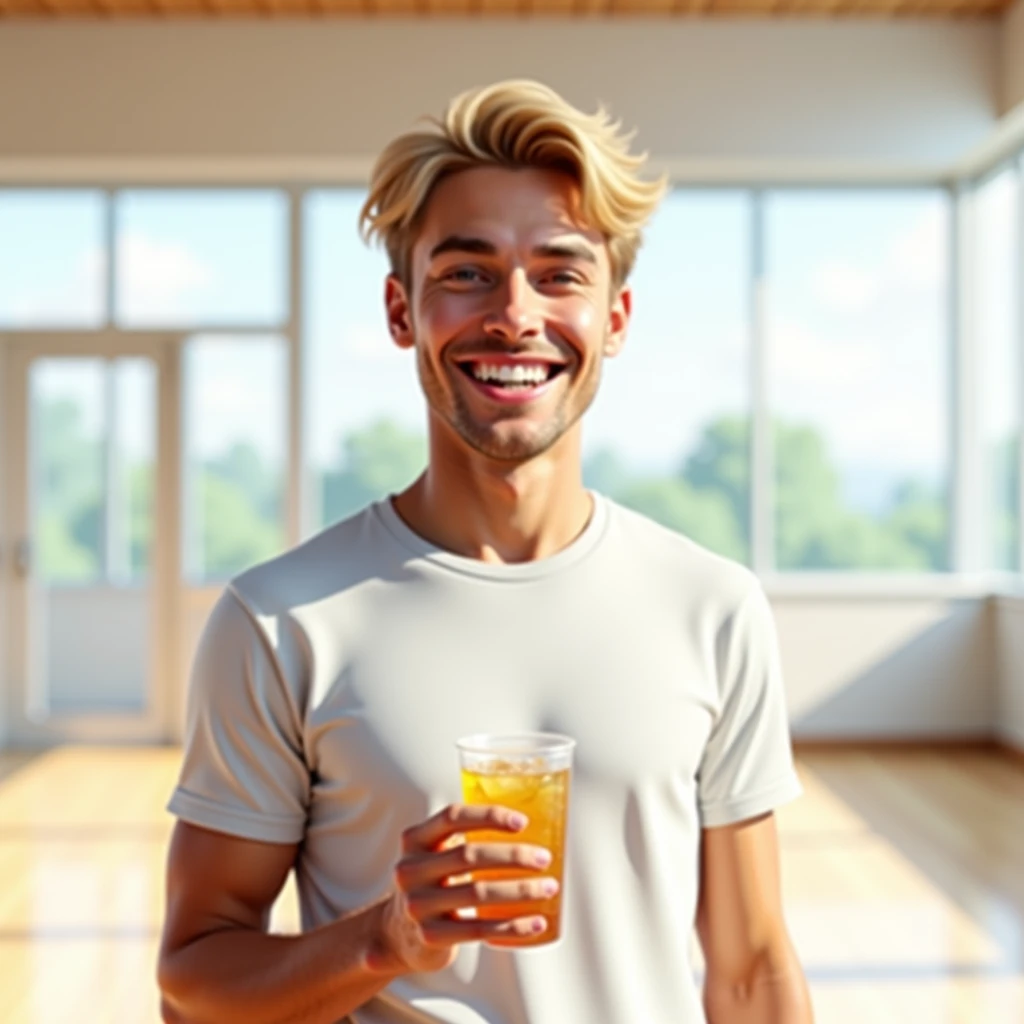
column 552, row 8
column 387, row 7
column 618, row 9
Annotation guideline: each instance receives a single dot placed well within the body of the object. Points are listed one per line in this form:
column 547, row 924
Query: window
column 365, row 414
column 234, row 454
column 93, row 453
column 997, row 273
column 202, row 258
column 857, row 329
column 52, row 259
column 669, row 431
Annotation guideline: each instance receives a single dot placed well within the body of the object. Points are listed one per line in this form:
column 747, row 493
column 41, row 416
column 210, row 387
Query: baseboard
column 1008, row 746
column 1012, row 748
column 982, row 741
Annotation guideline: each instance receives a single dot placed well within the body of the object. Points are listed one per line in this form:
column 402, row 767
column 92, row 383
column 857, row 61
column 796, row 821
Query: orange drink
column 528, row 773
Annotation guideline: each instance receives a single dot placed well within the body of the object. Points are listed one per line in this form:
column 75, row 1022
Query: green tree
column 67, row 465
column 606, row 472
column 918, row 524
column 235, row 534
column 374, row 461
column 244, row 466
column 703, row 515
column 720, row 464
column 814, row 528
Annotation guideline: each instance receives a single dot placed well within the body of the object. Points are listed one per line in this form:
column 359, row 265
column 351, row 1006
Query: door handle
column 23, row 557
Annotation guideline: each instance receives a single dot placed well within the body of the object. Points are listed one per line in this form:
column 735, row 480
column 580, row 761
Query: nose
column 517, row 311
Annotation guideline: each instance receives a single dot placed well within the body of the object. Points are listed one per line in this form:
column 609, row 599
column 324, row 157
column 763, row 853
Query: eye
column 563, row 277
column 464, row 275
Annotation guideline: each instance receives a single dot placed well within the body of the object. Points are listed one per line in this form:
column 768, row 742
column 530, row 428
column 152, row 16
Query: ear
column 396, row 303
column 618, row 322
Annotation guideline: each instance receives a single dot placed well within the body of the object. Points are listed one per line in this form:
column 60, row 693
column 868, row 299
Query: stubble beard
column 486, row 438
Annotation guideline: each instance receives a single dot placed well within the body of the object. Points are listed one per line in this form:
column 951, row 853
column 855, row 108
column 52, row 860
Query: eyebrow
column 460, row 243
column 565, row 251
column 481, row 247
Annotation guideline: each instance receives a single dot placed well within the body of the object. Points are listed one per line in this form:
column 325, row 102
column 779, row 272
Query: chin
column 519, row 446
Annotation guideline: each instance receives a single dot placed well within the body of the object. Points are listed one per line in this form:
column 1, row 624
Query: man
column 496, row 594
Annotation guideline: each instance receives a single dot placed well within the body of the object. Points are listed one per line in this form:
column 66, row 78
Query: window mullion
column 762, row 504
column 965, row 468
column 1018, row 277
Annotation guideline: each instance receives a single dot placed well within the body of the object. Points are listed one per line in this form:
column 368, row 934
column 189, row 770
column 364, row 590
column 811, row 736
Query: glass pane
column 52, row 258
column 68, row 429
column 997, row 277
column 365, row 413
column 133, row 383
column 202, row 258
column 668, row 433
column 93, row 428
column 235, row 443
column 857, row 326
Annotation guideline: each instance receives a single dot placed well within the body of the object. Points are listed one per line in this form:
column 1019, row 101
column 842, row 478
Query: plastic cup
column 529, row 773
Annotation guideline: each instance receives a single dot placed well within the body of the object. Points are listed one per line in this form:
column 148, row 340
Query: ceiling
column 216, row 9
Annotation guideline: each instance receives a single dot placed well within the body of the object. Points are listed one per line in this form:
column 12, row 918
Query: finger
column 428, row 835
column 425, row 904
column 424, row 869
column 444, row 932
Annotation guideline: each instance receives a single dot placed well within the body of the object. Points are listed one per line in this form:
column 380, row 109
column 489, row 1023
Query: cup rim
column 507, row 742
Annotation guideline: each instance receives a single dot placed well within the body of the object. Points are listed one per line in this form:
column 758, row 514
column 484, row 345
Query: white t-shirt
column 331, row 684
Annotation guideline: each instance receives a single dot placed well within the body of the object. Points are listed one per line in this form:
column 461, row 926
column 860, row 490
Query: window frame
column 964, row 576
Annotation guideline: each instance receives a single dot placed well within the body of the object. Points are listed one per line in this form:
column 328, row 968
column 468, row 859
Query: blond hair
column 513, row 124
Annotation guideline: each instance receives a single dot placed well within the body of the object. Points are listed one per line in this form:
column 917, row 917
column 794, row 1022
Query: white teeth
column 533, row 373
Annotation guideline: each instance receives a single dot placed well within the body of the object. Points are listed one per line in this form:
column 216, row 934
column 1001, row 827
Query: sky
column 855, row 295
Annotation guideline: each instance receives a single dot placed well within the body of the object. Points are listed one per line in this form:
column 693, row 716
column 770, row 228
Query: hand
column 420, row 926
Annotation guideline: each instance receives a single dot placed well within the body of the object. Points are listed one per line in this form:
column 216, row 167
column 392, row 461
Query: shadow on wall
column 939, row 683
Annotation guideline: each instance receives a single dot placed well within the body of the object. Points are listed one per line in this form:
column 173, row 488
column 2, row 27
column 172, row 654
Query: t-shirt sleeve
column 243, row 770
column 747, row 767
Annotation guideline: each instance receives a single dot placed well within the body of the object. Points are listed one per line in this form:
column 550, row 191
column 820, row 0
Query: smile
column 512, row 382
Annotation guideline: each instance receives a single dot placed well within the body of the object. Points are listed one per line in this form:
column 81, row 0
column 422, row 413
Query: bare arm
column 753, row 975
column 218, row 965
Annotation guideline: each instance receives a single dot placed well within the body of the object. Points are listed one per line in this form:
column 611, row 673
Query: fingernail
column 517, row 821
column 542, row 858
column 549, row 887
column 539, row 924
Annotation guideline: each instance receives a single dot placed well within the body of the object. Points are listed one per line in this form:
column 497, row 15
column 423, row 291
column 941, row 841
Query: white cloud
column 917, row 259
column 368, row 342
column 156, row 278
column 914, row 261
column 847, row 288
column 77, row 301
column 870, row 407
column 237, row 394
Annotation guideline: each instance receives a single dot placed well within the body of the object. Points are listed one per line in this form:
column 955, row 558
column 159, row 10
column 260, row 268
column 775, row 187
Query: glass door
column 91, row 426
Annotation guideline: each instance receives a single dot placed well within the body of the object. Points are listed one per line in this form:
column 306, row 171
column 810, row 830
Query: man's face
column 510, row 309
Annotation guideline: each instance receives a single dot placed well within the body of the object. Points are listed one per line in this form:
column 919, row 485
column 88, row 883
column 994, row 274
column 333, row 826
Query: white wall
column 879, row 93
column 856, row 667
column 1012, row 58
column 97, row 647
column 887, row 667
column 1009, row 617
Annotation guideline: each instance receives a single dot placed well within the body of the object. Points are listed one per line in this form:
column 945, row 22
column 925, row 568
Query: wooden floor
column 903, row 873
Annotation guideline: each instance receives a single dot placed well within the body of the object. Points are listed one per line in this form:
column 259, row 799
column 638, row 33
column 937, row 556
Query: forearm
column 240, row 976
column 770, row 997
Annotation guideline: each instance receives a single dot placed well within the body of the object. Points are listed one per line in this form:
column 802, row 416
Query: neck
column 500, row 512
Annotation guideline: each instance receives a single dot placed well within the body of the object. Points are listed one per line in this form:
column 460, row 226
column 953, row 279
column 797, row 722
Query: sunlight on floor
column 83, row 838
